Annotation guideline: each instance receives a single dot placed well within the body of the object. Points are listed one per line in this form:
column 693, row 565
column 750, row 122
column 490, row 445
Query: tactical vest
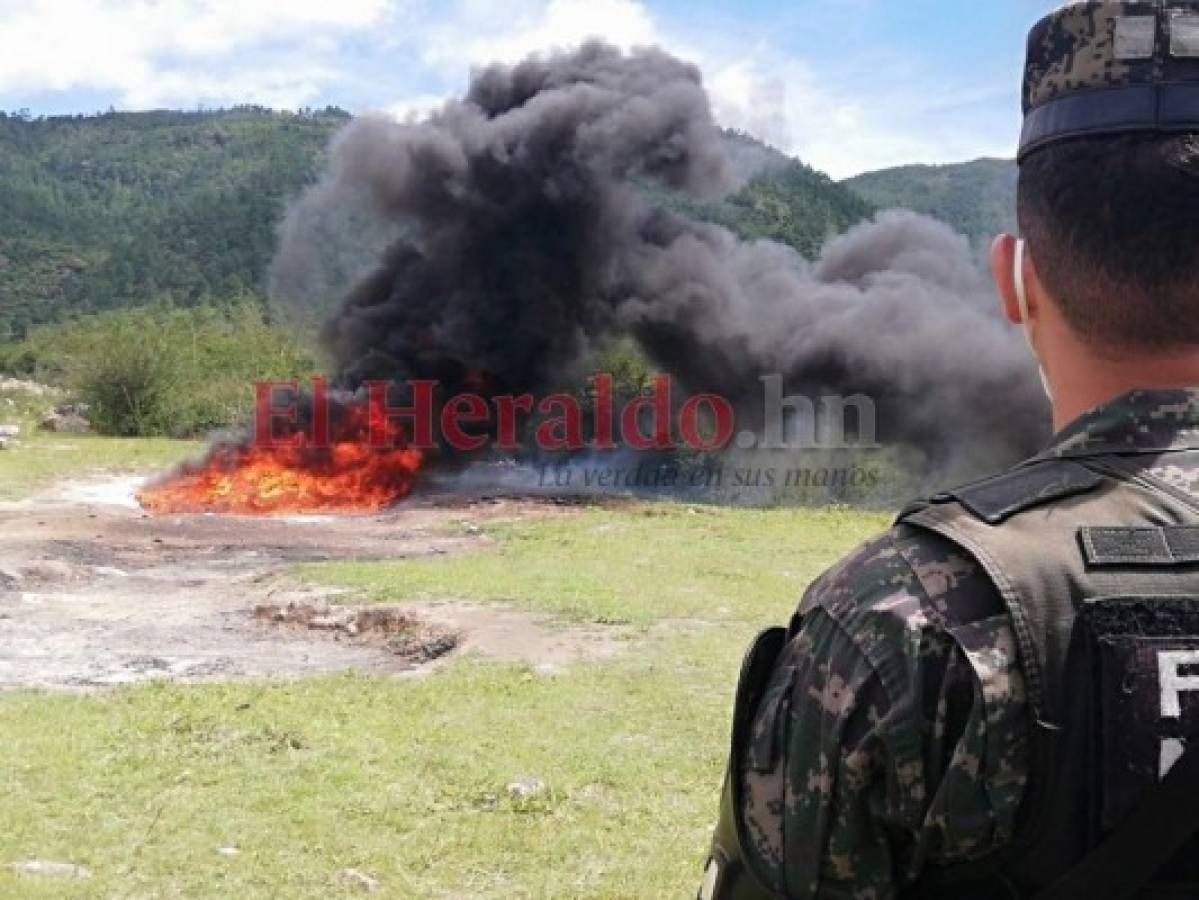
column 1098, row 565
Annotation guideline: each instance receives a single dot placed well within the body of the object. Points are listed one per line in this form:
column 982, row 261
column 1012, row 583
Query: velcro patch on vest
column 1173, row 545
column 1143, row 653
column 996, row 500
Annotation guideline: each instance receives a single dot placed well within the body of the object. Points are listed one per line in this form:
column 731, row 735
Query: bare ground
column 94, row 592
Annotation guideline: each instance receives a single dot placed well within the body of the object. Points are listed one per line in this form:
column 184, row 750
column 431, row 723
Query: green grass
column 39, row 460
column 406, row 779
column 633, row 565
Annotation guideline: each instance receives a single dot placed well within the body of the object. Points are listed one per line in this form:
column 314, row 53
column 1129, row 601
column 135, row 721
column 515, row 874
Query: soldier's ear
column 1003, row 263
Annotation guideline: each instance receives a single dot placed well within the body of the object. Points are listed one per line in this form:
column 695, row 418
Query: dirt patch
column 495, row 631
column 94, row 592
column 395, row 629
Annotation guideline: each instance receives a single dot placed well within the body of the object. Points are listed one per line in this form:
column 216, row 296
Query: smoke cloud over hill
column 513, row 235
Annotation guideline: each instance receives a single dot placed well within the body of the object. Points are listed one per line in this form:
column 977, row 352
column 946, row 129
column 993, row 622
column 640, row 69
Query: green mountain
column 107, row 211
column 977, row 198
column 122, row 209
column 783, row 200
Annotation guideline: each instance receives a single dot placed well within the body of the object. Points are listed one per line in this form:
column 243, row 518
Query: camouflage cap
column 1111, row 68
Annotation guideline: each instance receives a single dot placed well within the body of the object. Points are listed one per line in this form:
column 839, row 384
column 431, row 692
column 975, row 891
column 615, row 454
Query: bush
column 165, row 371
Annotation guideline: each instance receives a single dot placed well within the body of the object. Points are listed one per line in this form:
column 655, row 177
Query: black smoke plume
column 519, row 236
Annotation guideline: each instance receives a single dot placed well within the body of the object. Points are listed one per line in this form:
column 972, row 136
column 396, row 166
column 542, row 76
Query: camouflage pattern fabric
column 1075, row 49
column 894, row 733
column 1143, row 421
column 1107, row 67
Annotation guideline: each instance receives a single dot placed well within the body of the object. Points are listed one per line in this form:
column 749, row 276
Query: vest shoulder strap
column 997, row 498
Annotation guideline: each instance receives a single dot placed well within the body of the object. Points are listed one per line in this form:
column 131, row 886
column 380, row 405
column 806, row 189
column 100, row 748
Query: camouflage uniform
column 894, row 733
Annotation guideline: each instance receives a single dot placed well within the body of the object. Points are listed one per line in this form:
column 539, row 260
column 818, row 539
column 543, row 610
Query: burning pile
column 362, row 466
column 511, row 233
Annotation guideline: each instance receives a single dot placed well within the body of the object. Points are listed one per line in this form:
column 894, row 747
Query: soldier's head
column 1109, row 180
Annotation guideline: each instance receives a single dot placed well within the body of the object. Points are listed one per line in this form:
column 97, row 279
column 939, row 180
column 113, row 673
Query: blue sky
column 847, row 85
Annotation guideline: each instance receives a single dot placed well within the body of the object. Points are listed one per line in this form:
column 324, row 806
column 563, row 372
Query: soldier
column 994, row 699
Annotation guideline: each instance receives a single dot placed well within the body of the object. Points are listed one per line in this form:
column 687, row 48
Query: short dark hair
column 1112, row 224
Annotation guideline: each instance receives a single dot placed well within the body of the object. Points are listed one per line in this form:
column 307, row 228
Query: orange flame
column 350, row 475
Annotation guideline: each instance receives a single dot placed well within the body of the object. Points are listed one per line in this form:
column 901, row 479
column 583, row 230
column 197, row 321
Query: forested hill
column 785, row 200
column 977, row 198
column 119, row 209
column 123, row 209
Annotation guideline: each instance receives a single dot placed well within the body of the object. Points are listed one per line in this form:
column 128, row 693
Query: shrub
column 165, row 371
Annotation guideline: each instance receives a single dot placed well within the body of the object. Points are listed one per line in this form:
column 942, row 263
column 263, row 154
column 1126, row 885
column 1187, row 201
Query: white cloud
column 175, row 51
column 776, row 97
column 788, row 105
column 415, row 108
column 840, row 127
column 484, row 31
column 298, row 85
column 478, row 32
column 289, row 53
column 745, row 98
